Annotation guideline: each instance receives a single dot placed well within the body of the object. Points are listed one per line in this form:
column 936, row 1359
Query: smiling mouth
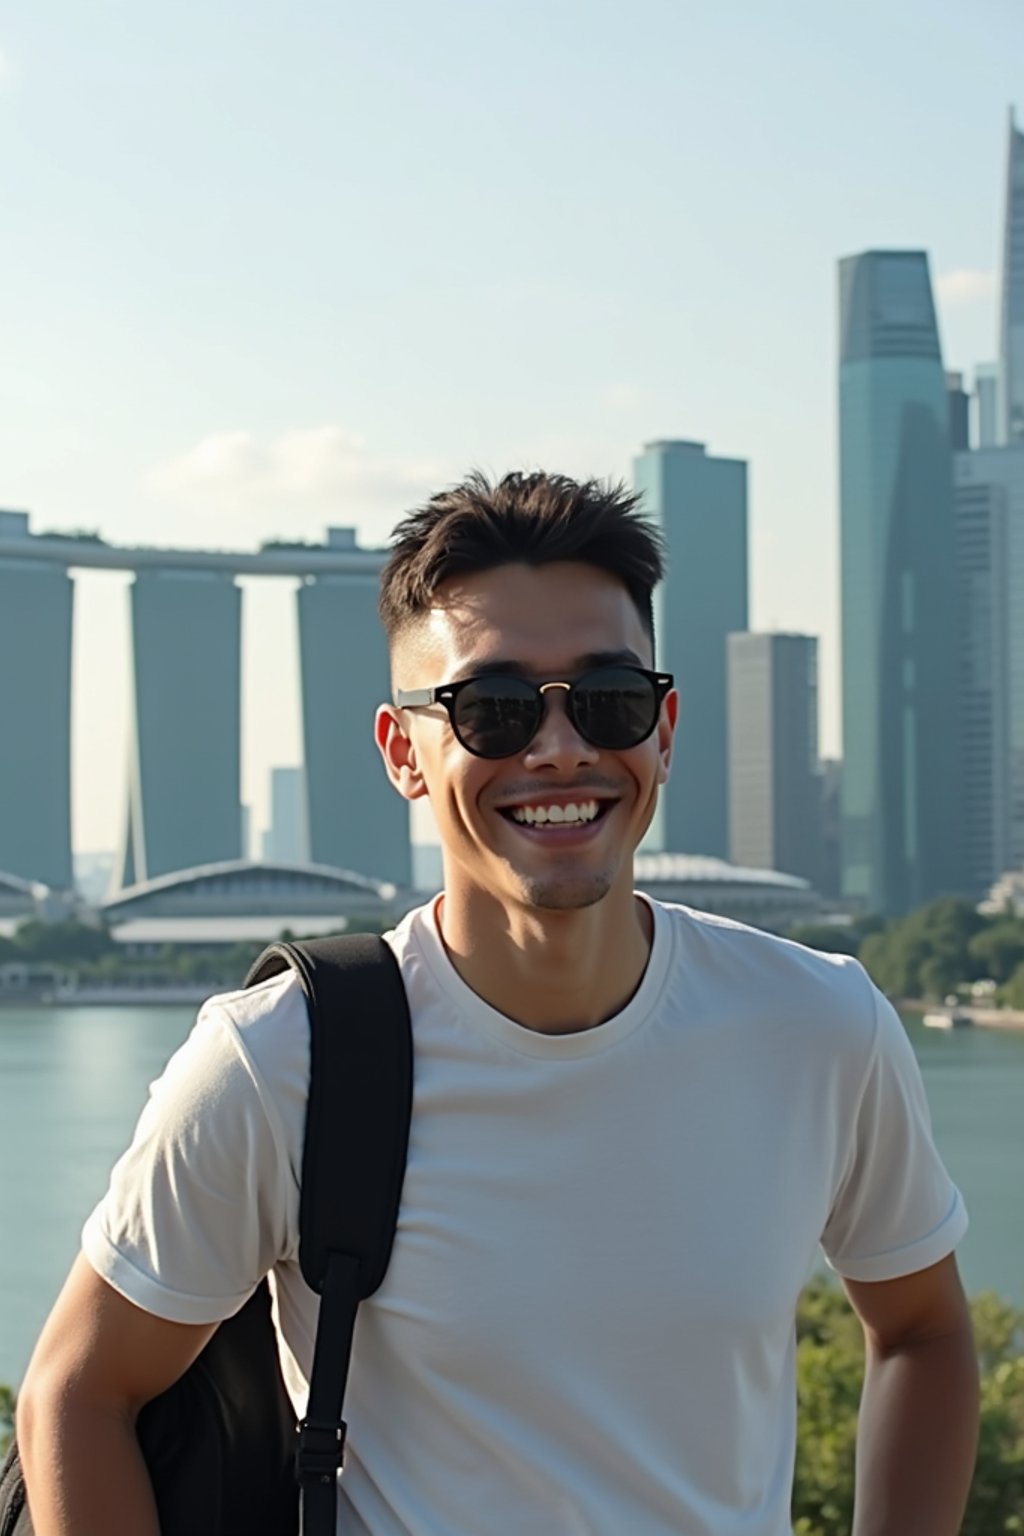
column 575, row 814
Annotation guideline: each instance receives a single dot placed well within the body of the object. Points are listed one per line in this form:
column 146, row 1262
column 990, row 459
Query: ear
column 399, row 753
column 665, row 732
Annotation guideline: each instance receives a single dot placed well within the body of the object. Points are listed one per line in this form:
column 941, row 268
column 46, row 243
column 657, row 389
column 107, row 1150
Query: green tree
column 927, row 953
column 832, row 938
column 829, row 1379
column 1013, row 992
column 999, row 948
column 61, row 943
column 6, row 1418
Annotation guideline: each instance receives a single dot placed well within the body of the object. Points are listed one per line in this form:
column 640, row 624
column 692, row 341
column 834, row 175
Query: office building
column 286, row 840
column 774, row 789
column 1011, row 314
column 990, row 487
column 959, row 412
column 356, row 820
column 830, row 779
column 36, row 601
column 184, row 806
column 700, row 504
column 900, row 785
column 982, row 550
column 986, row 406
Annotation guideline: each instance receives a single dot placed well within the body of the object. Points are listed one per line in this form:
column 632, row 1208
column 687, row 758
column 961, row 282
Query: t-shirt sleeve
column 200, row 1206
column 896, row 1209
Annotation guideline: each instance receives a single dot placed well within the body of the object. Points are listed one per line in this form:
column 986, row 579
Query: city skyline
column 275, row 284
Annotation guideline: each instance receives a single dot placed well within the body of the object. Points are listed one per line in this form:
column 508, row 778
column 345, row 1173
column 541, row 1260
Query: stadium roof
column 240, row 887
column 701, row 869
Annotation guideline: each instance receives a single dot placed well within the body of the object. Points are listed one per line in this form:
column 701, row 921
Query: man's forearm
column 84, row 1471
column 917, row 1438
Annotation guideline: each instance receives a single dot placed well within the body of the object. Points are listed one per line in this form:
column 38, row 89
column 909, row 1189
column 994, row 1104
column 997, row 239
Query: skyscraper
column 1011, row 319
column 356, row 820
column 184, row 804
column 286, row 840
column 990, row 511
column 700, row 504
column 986, row 395
column 35, row 711
column 774, row 786
column 900, row 780
column 959, row 412
column 983, row 719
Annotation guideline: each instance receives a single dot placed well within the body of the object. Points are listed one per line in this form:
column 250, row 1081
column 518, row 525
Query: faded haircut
column 536, row 519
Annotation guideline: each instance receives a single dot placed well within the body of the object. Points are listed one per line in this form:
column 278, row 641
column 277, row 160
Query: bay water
column 72, row 1082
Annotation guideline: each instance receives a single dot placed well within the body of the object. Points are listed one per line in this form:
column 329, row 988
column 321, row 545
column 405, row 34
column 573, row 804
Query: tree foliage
column 928, row 953
column 60, row 943
column 830, row 1370
column 6, row 1418
column 933, row 951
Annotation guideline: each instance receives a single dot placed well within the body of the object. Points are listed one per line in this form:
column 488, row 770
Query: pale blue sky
column 270, row 266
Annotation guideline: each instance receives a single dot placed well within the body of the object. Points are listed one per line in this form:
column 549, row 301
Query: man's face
column 550, row 622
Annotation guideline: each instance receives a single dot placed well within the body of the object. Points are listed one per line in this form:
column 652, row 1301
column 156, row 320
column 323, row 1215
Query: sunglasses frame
column 448, row 693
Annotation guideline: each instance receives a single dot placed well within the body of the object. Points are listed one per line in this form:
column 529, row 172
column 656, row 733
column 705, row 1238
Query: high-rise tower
column 700, row 503
column 774, row 784
column 183, row 794
column 35, row 715
column 901, row 766
column 356, row 820
column 1011, row 319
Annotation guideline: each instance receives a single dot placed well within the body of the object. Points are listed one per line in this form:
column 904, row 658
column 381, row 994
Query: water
column 73, row 1080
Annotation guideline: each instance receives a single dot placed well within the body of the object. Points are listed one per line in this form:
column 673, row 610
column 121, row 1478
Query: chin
column 565, row 893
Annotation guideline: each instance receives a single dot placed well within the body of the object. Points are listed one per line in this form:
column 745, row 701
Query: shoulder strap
column 353, row 1163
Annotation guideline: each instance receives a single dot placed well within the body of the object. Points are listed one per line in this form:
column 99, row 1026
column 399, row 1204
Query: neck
column 552, row 971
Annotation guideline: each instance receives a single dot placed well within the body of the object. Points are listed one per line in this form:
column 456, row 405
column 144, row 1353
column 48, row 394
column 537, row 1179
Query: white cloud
column 292, row 483
column 964, row 286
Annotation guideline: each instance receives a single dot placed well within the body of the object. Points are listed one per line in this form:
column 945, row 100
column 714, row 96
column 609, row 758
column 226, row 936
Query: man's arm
column 98, row 1360
column 918, row 1430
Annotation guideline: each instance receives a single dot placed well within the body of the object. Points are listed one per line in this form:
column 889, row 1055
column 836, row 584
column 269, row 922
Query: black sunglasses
column 613, row 707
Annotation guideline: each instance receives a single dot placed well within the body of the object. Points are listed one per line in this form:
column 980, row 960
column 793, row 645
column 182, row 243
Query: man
column 632, row 1126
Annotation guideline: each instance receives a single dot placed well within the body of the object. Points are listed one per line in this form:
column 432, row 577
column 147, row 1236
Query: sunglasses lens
column 615, row 707
column 496, row 716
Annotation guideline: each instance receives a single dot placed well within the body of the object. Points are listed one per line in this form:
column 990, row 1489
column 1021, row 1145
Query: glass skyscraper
column 985, row 553
column 1011, row 320
column 700, row 503
column 989, row 487
column 901, row 775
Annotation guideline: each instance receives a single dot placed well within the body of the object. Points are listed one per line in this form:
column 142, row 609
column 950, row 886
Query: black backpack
column 222, row 1447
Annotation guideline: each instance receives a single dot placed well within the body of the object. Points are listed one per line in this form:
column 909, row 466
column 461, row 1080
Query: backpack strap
column 353, row 1163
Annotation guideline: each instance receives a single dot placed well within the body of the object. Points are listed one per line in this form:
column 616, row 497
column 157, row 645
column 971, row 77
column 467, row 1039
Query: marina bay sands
column 183, row 803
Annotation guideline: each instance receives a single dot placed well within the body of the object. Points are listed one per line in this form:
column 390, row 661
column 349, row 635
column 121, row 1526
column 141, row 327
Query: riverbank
column 184, row 994
column 984, row 1017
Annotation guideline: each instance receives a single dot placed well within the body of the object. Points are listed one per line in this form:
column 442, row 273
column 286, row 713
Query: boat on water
column 947, row 1018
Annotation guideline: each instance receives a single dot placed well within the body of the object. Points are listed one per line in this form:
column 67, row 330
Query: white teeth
column 544, row 815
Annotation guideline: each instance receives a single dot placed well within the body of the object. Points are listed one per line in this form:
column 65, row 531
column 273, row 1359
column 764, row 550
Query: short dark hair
column 534, row 518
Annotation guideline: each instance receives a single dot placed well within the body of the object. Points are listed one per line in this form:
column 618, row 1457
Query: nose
column 557, row 743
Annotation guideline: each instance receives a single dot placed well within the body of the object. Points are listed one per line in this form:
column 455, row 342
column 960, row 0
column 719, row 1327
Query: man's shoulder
column 769, row 973
column 269, row 1022
column 266, row 1027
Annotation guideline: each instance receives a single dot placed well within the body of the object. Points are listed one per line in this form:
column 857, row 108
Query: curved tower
column 900, row 748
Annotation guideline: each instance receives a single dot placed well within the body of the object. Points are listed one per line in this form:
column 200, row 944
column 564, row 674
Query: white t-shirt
column 587, row 1327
